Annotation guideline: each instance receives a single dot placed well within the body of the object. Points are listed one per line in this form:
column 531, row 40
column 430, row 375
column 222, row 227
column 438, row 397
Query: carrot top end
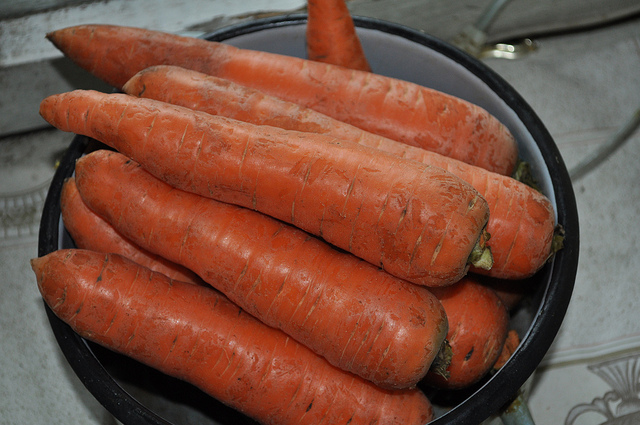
column 442, row 360
column 522, row 173
column 37, row 264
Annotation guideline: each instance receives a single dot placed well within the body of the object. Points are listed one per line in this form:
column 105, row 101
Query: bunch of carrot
column 276, row 242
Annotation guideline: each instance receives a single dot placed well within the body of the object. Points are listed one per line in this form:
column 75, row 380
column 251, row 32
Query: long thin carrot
column 331, row 35
column 521, row 221
column 478, row 330
column 417, row 222
column 397, row 109
column 358, row 317
column 89, row 231
column 195, row 334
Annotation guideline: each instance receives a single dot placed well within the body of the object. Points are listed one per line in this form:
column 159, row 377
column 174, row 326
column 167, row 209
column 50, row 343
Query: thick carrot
column 331, row 35
column 360, row 318
column 195, row 334
column 397, row 109
column 478, row 330
column 417, row 222
column 521, row 221
column 89, row 231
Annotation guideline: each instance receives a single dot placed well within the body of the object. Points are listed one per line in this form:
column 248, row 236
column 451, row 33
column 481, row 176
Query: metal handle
column 489, row 14
column 473, row 38
column 517, row 413
column 610, row 146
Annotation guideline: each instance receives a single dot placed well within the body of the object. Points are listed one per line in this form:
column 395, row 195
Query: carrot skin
column 89, row 231
column 478, row 330
column 521, row 221
column 331, row 35
column 196, row 334
column 417, row 222
column 358, row 317
column 510, row 346
column 397, row 109
column 219, row 96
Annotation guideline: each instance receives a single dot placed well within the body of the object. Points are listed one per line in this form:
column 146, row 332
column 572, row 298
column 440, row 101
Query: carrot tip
column 37, row 264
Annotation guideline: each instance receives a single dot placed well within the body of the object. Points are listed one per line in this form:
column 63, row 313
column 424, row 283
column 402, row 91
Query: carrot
column 521, row 221
column 478, row 328
column 219, row 96
column 89, row 231
column 195, row 334
column 331, row 35
column 510, row 346
column 358, row 317
column 397, row 109
column 417, row 222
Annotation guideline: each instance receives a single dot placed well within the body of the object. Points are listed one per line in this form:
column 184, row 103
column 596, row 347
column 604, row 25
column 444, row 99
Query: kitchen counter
column 583, row 84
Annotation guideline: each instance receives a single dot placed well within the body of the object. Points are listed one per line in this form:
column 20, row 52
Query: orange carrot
column 521, row 223
column 219, row 96
column 417, row 222
column 478, row 329
column 331, row 35
column 397, row 109
column 89, row 231
column 358, row 317
column 510, row 346
column 195, row 334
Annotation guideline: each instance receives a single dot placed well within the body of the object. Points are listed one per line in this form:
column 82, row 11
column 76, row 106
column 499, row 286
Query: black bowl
column 136, row 394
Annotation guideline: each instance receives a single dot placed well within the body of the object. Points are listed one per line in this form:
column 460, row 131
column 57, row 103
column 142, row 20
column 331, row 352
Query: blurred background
column 576, row 62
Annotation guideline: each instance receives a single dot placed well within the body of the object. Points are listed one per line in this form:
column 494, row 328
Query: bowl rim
column 479, row 403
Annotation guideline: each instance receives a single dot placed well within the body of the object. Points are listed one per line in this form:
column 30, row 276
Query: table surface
column 584, row 85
